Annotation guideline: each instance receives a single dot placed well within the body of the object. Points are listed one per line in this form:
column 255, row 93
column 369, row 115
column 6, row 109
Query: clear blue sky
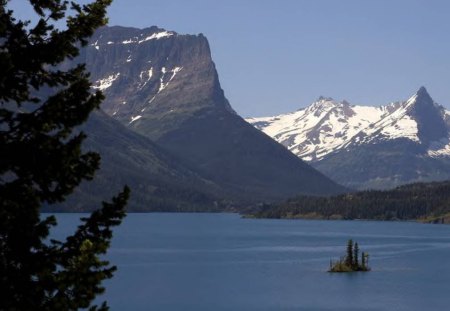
column 276, row 56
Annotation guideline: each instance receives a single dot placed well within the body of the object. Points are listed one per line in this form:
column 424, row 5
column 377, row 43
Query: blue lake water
column 223, row 262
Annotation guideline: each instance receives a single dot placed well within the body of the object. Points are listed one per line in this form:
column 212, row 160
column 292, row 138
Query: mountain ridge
column 327, row 132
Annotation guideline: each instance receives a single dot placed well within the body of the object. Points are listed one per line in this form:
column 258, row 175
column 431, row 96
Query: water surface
column 223, row 262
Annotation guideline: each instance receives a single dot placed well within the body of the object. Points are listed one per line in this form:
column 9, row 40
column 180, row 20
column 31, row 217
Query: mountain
column 368, row 147
column 164, row 86
column 159, row 181
column 153, row 79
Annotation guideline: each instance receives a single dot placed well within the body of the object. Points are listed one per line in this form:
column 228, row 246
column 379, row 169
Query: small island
column 351, row 262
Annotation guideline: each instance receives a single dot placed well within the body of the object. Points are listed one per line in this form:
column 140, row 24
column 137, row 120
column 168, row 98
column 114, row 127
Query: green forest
column 426, row 202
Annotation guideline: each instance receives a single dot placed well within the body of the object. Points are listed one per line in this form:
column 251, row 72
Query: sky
column 277, row 56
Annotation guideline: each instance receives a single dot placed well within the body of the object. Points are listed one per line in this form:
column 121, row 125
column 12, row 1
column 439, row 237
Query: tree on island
column 356, row 255
column 41, row 161
column 350, row 263
column 349, row 258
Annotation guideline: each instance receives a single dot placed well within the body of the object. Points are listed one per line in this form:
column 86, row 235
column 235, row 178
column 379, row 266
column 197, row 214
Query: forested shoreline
column 426, row 202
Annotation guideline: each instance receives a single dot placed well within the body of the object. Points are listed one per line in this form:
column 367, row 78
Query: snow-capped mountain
column 325, row 129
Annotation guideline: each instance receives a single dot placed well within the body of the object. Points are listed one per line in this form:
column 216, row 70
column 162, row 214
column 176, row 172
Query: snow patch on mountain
column 440, row 148
column 174, row 72
column 157, row 36
column 105, row 83
column 145, row 76
column 129, row 41
column 95, row 45
column 163, row 84
column 395, row 124
column 135, row 118
column 154, row 36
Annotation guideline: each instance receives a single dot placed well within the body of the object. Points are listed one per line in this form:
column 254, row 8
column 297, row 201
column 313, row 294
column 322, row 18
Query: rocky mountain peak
column 345, row 103
column 422, row 92
column 429, row 116
column 324, row 99
column 421, row 97
column 153, row 74
column 322, row 104
column 328, row 102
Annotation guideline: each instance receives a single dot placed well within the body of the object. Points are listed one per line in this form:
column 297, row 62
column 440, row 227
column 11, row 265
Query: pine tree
column 41, row 161
column 349, row 257
column 355, row 256
column 366, row 260
column 363, row 261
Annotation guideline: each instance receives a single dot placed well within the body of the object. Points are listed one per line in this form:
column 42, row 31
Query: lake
column 223, row 262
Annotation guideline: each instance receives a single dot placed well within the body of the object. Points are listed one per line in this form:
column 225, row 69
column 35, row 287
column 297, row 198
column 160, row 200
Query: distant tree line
column 421, row 201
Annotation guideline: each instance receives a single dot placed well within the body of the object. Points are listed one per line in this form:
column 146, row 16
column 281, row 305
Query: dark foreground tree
column 41, row 161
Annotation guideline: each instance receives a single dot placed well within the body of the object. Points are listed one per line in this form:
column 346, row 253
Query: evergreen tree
column 41, row 161
column 350, row 263
column 349, row 257
column 355, row 255
column 363, row 260
column 366, row 260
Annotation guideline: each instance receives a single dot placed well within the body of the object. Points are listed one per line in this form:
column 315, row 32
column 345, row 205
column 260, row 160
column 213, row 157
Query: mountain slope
column 164, row 86
column 368, row 147
column 232, row 153
column 159, row 182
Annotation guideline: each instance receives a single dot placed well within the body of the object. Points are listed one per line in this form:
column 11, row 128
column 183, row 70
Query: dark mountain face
column 384, row 165
column 158, row 180
column 232, row 153
column 164, row 86
column 429, row 117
